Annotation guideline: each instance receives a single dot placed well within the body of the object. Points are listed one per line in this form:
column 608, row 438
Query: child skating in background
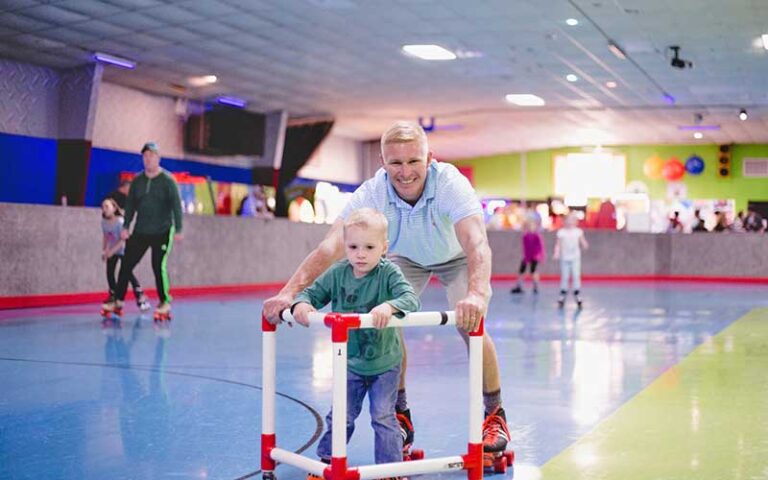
column 570, row 241
column 533, row 254
column 365, row 283
column 113, row 248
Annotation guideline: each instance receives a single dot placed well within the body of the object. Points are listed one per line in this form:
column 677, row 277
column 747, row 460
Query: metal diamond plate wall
column 29, row 99
column 78, row 93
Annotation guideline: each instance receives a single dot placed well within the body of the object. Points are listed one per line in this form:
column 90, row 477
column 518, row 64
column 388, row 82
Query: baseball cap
column 150, row 146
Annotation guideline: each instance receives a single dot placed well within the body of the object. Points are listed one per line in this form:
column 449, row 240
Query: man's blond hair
column 367, row 218
column 405, row 132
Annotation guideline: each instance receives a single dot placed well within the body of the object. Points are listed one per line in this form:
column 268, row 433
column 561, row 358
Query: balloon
column 652, row 167
column 694, row 165
column 673, row 170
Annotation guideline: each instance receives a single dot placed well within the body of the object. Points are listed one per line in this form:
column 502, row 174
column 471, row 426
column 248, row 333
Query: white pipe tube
column 476, row 389
column 416, row 467
column 415, row 319
column 339, row 437
column 268, row 382
column 298, row 461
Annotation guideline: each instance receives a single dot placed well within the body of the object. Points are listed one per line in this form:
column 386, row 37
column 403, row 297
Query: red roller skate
column 495, row 440
column 407, row 431
column 112, row 309
column 163, row 312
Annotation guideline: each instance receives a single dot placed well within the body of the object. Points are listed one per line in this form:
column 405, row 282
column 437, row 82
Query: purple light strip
column 112, row 60
column 232, row 101
column 698, row 128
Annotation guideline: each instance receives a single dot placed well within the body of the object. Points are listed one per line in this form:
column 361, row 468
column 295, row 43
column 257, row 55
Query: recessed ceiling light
column 698, row 135
column 429, row 52
column 572, row 78
column 202, row 80
column 611, row 84
column 743, row 115
column 525, row 100
column 572, row 22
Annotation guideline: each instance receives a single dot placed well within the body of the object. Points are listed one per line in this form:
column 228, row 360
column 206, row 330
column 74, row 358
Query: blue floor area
column 130, row 400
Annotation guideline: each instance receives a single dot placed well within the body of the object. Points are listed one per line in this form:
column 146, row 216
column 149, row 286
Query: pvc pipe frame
column 340, row 324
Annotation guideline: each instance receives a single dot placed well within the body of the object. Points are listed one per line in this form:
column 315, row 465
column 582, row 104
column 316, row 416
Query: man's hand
column 301, row 313
column 381, row 315
column 125, row 234
column 469, row 311
column 273, row 306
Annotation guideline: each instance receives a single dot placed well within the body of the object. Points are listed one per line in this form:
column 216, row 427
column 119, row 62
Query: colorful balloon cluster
column 673, row 169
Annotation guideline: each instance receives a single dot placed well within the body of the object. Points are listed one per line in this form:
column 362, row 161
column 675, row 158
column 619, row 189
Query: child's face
column 364, row 248
column 571, row 221
column 108, row 208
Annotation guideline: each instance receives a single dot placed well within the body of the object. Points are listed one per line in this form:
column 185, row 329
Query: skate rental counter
column 48, row 251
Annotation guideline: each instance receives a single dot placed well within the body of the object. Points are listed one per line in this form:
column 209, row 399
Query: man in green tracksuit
column 154, row 199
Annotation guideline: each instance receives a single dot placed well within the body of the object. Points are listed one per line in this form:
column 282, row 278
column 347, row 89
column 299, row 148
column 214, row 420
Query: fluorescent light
column 113, row 60
column 698, row 135
column 572, row 78
column 232, row 101
column 765, row 41
column 699, row 128
column 572, row 22
column 429, row 52
column 616, row 50
column 525, row 100
column 202, row 80
column 611, row 84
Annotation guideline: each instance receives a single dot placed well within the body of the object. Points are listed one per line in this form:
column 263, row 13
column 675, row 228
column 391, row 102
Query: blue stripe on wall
column 27, row 169
column 106, row 166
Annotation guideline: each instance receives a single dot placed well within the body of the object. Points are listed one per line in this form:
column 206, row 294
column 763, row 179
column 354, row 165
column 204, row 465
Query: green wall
column 502, row 175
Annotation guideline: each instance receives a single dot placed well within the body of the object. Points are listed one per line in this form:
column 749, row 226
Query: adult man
column 154, row 199
column 435, row 228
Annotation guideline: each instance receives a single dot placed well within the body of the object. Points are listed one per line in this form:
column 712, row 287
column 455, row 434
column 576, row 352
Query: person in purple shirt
column 533, row 254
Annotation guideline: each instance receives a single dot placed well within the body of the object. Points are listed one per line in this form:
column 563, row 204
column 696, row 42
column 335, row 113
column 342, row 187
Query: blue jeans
column 568, row 268
column 382, row 394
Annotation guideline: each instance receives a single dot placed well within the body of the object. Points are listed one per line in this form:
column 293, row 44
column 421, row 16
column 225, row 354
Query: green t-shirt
column 156, row 203
column 370, row 351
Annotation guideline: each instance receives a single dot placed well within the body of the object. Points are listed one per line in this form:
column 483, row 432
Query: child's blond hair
column 367, row 218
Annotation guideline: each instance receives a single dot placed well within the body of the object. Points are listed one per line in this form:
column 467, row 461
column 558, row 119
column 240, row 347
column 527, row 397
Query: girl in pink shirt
column 533, row 253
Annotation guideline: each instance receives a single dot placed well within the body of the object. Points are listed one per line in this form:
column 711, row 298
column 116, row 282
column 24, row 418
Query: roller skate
column 163, row 312
column 112, row 309
column 495, row 440
column 561, row 299
column 517, row 289
column 407, row 431
column 578, row 299
column 535, row 288
column 142, row 302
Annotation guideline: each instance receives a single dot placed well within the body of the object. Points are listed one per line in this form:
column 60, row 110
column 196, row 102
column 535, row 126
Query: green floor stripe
column 705, row 418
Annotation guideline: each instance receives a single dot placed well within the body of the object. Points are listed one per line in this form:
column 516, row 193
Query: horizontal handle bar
column 415, row 319
column 416, row 467
column 298, row 461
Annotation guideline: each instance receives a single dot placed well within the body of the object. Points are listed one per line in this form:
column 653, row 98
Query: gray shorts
column 453, row 275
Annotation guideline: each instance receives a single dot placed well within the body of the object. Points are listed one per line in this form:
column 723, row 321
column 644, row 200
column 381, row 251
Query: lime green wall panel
column 500, row 175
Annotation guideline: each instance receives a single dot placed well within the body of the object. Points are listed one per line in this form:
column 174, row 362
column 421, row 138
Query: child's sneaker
column 495, row 431
column 406, row 427
column 517, row 289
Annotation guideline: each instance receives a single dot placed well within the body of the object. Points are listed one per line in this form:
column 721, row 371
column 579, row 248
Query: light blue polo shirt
column 423, row 233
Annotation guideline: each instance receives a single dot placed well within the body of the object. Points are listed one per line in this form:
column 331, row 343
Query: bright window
column 579, row 176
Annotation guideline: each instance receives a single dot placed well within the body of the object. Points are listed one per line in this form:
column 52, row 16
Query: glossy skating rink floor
column 649, row 381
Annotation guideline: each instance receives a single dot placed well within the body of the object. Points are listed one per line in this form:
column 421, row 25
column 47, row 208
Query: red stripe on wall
column 58, row 299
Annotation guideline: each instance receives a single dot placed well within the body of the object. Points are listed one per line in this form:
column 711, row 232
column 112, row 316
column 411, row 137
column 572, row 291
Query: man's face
column 406, row 164
column 151, row 161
